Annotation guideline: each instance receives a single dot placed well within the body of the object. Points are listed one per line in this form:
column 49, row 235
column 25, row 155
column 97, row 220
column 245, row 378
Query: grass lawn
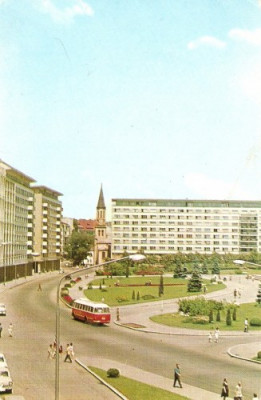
column 135, row 390
column 116, row 296
column 250, row 310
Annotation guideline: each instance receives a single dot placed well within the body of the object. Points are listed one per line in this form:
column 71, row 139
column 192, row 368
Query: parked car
column 3, row 363
column 2, row 309
column 6, row 382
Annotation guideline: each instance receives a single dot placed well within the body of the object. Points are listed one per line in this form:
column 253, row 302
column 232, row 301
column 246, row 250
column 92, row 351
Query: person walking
column 68, row 354
column 10, row 329
column 216, row 335
column 238, row 392
column 1, row 329
column 246, row 325
column 39, row 288
column 51, row 352
column 177, row 376
column 225, row 389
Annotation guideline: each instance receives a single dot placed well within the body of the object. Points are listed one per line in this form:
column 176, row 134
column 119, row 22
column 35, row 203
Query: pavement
column 131, row 317
column 140, row 321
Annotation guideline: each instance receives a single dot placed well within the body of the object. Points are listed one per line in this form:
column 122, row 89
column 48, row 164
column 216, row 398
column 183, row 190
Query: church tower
column 102, row 244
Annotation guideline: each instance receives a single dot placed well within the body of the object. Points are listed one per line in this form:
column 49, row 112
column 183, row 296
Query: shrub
column 72, row 282
column 121, row 299
column 148, row 297
column 210, row 317
column 68, row 285
column 234, row 316
column 113, row 373
column 259, row 354
column 218, row 316
column 255, row 322
column 200, row 319
column 228, row 318
column 90, row 286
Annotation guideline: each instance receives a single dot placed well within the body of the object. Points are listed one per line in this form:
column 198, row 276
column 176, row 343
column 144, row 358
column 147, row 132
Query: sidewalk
column 192, row 392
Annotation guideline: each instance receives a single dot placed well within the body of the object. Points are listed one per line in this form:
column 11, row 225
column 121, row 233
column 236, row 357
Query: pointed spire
column 101, row 203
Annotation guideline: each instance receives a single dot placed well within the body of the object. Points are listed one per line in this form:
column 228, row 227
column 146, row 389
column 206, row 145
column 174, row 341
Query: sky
column 150, row 99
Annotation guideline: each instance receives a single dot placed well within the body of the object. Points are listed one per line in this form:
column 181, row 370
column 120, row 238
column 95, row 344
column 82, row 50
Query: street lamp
column 133, row 257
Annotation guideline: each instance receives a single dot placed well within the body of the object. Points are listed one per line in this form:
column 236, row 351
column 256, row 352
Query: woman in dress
column 225, row 389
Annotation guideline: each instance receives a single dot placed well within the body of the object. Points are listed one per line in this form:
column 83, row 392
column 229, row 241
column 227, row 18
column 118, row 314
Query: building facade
column 188, row 226
column 15, row 195
column 47, row 228
column 29, row 222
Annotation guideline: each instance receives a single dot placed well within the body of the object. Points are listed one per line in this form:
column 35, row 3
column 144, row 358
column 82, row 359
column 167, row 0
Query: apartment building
column 29, row 225
column 188, row 226
column 15, row 194
column 47, row 228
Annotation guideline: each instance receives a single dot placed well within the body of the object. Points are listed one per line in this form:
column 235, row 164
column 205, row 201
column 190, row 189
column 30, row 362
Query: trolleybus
column 91, row 312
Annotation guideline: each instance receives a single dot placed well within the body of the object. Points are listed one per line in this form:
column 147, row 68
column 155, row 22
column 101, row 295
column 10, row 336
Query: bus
column 91, row 312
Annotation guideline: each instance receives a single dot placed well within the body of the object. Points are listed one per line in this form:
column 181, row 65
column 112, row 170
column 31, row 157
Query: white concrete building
column 188, row 226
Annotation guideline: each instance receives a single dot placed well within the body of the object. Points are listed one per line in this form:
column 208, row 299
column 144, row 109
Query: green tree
column 218, row 316
column 228, row 318
column 138, row 295
column 234, row 315
column 78, row 246
column 210, row 317
column 195, row 282
column 161, row 286
column 133, row 295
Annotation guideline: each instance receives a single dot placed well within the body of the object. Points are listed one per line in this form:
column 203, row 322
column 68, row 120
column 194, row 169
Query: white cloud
column 206, row 41
column 78, row 7
column 215, row 189
column 245, row 35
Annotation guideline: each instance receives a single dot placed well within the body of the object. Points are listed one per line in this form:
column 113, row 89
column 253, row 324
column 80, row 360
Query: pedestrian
column 216, row 335
column 177, row 375
column 1, row 328
column 255, row 396
column 71, row 351
column 39, row 288
column 210, row 337
column 51, row 352
column 235, row 293
column 239, row 294
column 68, row 354
column 238, row 392
column 246, row 325
column 225, row 389
column 60, row 349
column 10, row 329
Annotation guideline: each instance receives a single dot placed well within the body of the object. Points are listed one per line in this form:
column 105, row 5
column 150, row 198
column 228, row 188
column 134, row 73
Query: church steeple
column 101, row 203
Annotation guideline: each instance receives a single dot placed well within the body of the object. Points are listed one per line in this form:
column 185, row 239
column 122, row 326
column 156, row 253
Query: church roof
column 101, row 203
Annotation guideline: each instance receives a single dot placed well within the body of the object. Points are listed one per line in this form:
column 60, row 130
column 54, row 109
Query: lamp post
column 133, row 257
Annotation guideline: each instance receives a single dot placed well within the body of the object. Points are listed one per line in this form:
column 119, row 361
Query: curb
column 229, row 352
column 119, row 394
column 175, row 333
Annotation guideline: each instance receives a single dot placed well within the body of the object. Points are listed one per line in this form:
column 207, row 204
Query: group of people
column 69, row 352
column 214, row 336
column 238, row 391
column 10, row 329
column 225, row 388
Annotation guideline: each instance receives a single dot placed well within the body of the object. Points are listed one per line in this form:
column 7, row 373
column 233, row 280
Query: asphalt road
column 33, row 315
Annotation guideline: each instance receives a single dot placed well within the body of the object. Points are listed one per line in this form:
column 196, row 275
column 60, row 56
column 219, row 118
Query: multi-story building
column 29, row 225
column 189, row 226
column 15, row 194
column 47, row 228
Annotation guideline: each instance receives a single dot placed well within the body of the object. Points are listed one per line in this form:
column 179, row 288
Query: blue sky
column 153, row 99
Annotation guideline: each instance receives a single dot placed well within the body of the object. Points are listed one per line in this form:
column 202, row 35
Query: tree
column 234, row 316
column 258, row 297
column 218, row 316
column 215, row 268
column 161, row 286
column 78, row 246
column 228, row 318
column 210, row 317
column 195, row 282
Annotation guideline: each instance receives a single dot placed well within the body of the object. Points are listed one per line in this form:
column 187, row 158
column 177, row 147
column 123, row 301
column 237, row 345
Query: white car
column 6, row 382
column 2, row 309
column 3, row 363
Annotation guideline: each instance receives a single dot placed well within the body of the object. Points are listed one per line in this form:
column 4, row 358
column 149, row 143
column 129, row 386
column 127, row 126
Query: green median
column 135, row 390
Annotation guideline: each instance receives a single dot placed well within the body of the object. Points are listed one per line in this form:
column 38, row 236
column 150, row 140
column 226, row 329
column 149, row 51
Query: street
column 33, row 314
